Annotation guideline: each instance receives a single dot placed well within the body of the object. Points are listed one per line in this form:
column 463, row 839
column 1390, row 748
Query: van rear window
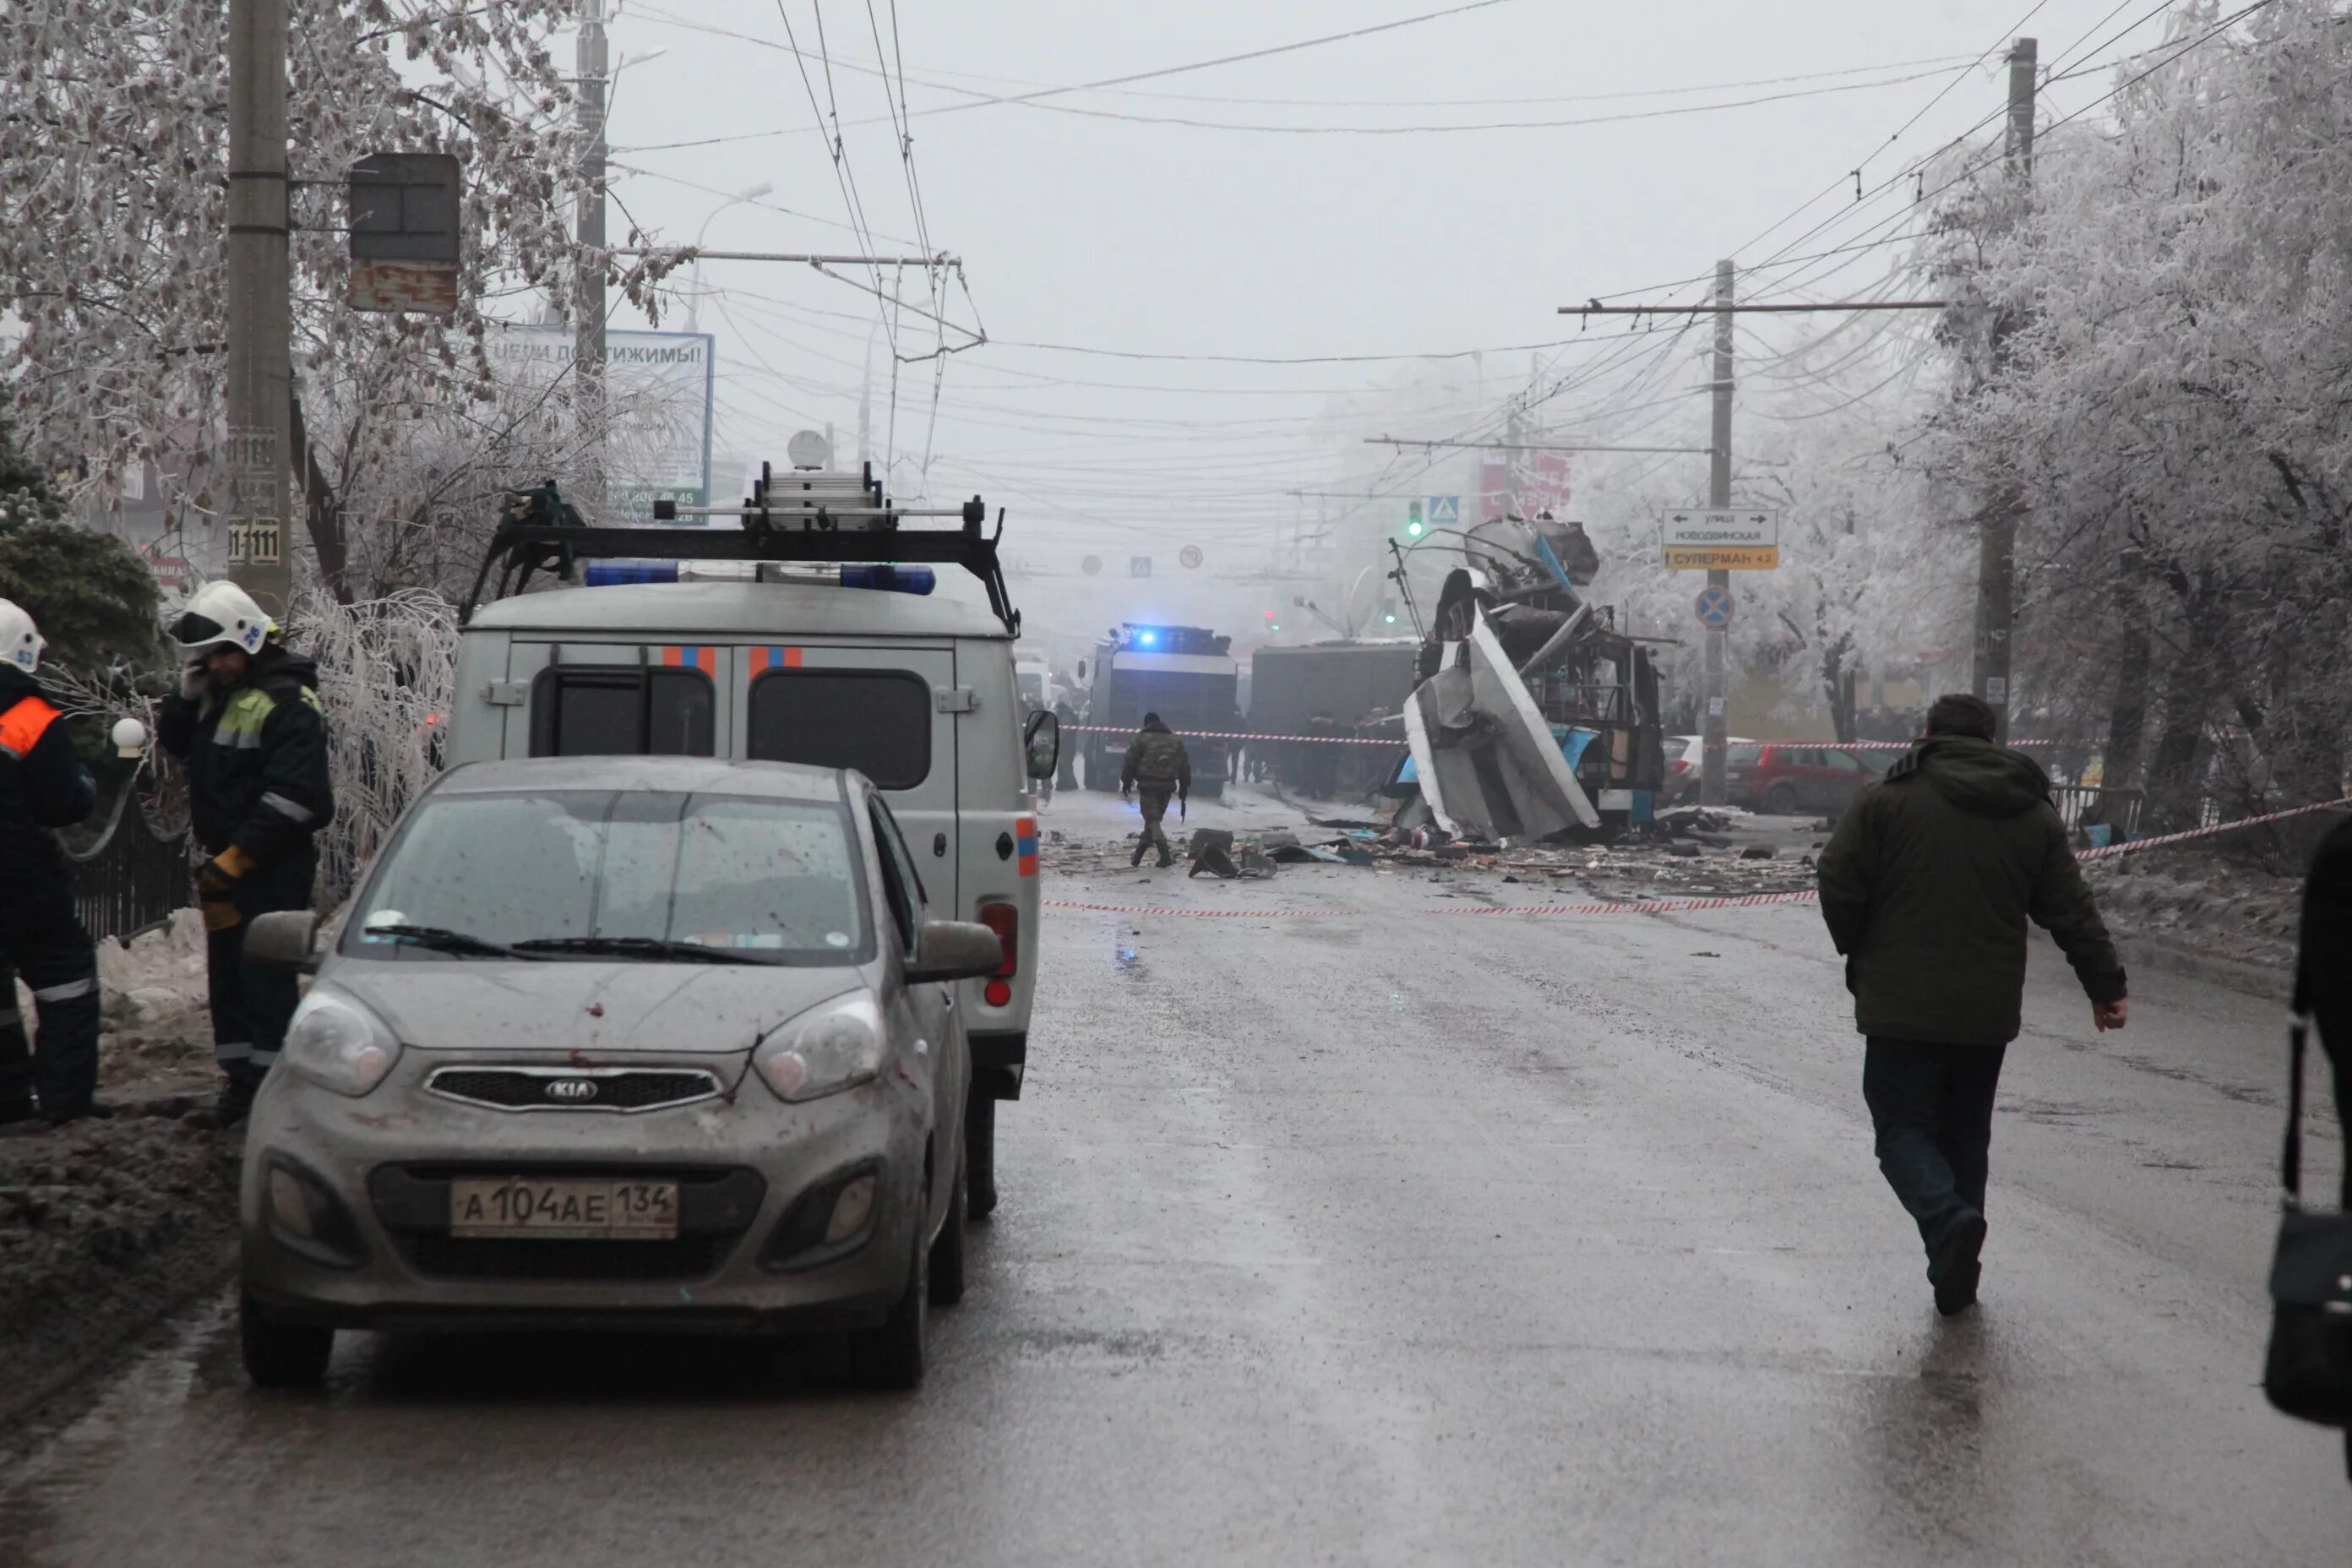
column 620, row 710
column 876, row 720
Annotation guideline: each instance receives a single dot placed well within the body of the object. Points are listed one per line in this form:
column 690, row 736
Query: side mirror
column 1043, row 739
column 951, row 950
column 281, row 940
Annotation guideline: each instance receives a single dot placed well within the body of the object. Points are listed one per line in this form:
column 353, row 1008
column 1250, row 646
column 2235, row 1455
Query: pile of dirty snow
column 2207, row 900
column 103, row 1226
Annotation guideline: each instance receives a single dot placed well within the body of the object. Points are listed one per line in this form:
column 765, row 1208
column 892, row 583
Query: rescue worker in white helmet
column 43, row 786
column 248, row 724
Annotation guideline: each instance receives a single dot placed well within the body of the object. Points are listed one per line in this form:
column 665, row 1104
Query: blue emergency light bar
column 880, row 575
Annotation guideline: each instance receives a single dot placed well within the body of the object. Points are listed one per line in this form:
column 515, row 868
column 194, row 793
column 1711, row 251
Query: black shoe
column 1955, row 1272
column 15, row 1113
column 1137, row 858
column 1166, row 859
column 234, row 1103
column 88, row 1111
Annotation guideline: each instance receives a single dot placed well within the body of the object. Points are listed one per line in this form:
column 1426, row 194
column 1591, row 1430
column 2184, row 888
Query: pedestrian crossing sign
column 1444, row 511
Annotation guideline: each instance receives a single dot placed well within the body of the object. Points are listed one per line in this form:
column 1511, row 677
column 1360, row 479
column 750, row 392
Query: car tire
column 282, row 1355
column 1781, row 800
column 948, row 1251
column 980, row 1154
column 890, row 1354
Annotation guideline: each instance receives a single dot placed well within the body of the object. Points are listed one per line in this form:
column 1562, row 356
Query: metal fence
column 2080, row 804
column 134, row 874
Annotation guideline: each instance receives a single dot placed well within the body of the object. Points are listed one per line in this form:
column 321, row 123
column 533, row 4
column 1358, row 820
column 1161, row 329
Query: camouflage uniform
column 1157, row 765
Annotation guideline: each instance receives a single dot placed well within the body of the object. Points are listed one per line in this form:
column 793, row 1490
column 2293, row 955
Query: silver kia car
column 618, row 1042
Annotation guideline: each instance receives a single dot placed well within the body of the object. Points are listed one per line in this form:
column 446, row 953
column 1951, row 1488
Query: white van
column 865, row 671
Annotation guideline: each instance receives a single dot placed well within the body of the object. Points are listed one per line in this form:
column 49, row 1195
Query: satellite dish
column 1091, row 565
column 808, row 450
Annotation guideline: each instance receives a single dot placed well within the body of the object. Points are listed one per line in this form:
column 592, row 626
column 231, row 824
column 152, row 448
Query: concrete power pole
column 1713, row 727
column 1997, row 532
column 588, row 318
column 260, row 325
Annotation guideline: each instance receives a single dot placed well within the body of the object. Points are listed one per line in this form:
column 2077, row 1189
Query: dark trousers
column 251, row 1005
column 45, row 942
column 1932, row 1107
column 1155, row 798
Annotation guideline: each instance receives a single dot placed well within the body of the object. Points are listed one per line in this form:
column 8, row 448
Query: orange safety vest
column 21, row 727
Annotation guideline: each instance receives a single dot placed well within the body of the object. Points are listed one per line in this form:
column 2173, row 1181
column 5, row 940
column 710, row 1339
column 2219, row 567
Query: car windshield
column 622, row 873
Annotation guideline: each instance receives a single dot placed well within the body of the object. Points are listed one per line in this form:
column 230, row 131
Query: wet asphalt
column 1388, row 1235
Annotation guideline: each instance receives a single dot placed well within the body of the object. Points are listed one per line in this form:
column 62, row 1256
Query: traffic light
column 1272, row 624
column 1413, row 525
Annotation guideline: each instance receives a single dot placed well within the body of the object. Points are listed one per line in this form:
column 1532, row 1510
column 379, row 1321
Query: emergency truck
column 799, row 626
column 1187, row 675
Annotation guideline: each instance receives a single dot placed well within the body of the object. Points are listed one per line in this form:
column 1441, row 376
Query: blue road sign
column 1713, row 606
column 1444, row 511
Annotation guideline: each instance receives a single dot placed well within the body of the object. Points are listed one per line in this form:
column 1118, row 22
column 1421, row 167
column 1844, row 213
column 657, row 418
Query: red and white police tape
column 1245, row 735
column 1677, row 906
column 1395, row 741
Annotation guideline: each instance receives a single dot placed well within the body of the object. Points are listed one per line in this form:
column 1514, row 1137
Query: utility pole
column 1713, row 729
column 591, row 61
column 260, row 324
column 1997, row 530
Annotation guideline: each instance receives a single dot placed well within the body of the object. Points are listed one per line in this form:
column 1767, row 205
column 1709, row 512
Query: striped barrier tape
column 1399, row 740
column 2132, row 846
column 1240, row 735
column 1683, row 905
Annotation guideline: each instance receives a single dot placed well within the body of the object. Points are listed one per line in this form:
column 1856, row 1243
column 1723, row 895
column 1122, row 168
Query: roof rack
column 821, row 517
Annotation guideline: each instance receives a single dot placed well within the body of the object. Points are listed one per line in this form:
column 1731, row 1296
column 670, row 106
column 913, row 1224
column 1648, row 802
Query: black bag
column 2308, row 1373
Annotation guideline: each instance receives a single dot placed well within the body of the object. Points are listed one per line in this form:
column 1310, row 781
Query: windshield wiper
column 635, row 947
column 441, row 939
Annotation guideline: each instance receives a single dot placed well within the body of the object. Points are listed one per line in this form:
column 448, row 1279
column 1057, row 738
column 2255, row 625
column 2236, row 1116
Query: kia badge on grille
column 572, row 1091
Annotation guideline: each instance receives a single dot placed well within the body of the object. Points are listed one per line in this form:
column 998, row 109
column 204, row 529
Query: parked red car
column 1780, row 780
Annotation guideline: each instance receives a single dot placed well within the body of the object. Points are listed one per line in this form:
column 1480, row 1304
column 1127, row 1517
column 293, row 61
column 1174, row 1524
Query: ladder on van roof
column 805, row 516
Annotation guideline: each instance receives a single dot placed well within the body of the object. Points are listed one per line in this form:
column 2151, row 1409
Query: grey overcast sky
column 1137, row 220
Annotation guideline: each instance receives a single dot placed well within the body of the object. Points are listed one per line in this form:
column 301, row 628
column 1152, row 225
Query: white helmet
column 20, row 640
column 221, row 614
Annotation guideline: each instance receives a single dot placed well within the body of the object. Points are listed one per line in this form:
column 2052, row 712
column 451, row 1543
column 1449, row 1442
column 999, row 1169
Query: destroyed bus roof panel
column 1487, row 762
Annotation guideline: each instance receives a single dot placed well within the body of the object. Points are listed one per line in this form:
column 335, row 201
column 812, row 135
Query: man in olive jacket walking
column 1158, row 765
column 1926, row 887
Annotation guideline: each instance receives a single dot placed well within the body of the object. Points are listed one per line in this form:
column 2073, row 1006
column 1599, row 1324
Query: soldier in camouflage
column 1158, row 765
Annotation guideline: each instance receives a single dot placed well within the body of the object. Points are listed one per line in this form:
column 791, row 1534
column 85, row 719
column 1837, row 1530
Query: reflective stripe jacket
column 43, row 784
column 257, row 758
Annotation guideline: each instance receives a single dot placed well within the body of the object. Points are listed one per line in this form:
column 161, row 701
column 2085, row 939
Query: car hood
column 571, row 1006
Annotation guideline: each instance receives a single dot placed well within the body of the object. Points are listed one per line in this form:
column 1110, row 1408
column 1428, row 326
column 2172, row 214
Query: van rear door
column 587, row 699
column 887, row 709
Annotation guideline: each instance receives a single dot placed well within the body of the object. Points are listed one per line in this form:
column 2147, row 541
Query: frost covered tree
column 1870, row 571
column 2171, row 410
column 112, row 147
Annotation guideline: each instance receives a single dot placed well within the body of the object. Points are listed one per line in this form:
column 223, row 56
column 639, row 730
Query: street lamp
column 694, row 280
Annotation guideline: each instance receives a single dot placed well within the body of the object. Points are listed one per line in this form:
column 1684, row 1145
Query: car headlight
column 828, row 1049
column 339, row 1045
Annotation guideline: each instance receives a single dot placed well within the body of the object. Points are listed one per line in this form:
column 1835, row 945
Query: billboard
column 658, row 397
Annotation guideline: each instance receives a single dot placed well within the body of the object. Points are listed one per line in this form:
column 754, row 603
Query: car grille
column 560, row 1089
column 690, row 1257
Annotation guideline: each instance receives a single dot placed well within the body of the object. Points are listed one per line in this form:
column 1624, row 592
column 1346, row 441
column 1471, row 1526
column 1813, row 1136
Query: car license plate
column 563, row 1208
